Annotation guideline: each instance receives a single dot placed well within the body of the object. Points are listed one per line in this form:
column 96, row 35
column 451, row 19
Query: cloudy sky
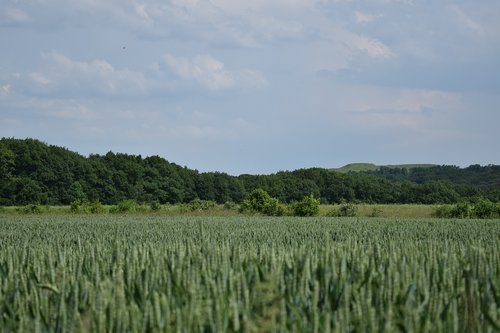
column 256, row 86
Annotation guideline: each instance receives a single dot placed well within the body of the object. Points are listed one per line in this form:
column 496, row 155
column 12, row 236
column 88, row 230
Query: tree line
column 32, row 171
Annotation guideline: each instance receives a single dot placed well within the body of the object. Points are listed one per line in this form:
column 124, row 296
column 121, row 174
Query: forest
column 32, row 171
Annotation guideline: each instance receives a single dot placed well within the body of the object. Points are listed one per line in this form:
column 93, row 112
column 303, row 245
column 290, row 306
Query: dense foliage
column 480, row 208
column 252, row 274
column 259, row 201
column 34, row 172
column 308, row 206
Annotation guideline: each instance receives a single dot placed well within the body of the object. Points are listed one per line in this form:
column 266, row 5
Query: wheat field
column 248, row 274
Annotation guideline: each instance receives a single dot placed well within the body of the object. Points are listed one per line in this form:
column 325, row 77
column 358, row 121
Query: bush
column 183, row 208
column 76, row 206
column 308, row 206
column 348, row 210
column 155, row 206
column 344, row 210
column 198, row 204
column 484, row 209
column 94, row 207
column 376, row 212
column 261, row 202
column 127, row 206
column 31, row 209
column 462, row 210
column 443, row 211
column 229, row 205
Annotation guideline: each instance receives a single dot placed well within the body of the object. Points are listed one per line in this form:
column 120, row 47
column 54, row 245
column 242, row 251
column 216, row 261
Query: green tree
column 7, row 163
column 260, row 201
column 308, row 206
column 484, row 208
column 76, row 192
column 29, row 192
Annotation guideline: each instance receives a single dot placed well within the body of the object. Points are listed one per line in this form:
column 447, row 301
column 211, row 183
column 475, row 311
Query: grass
column 363, row 167
column 363, row 210
column 380, row 210
column 144, row 273
column 357, row 167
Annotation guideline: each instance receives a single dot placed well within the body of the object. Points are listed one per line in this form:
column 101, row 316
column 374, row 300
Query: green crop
column 248, row 274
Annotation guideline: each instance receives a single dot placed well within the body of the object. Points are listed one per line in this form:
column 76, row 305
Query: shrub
column 229, row 205
column 344, row 210
column 155, row 206
column 75, row 206
column 198, row 204
column 461, row 210
column 443, row 211
column 94, row 207
column 308, row 206
column 348, row 210
column 183, row 208
column 375, row 212
column 31, row 209
column 261, row 202
column 484, row 208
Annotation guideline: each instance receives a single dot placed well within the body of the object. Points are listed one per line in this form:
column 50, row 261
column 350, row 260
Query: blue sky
column 256, row 86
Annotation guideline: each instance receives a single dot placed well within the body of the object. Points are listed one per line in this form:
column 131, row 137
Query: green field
column 110, row 273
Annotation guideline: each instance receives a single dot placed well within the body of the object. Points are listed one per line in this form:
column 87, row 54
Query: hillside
column 365, row 167
column 35, row 172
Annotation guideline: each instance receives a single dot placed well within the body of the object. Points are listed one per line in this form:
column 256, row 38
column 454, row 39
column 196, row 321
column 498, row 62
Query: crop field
column 111, row 273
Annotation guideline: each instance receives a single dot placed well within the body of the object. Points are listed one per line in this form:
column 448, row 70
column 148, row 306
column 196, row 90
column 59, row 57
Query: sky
column 256, row 86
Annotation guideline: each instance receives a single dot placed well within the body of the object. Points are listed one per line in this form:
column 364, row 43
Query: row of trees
column 480, row 176
column 34, row 172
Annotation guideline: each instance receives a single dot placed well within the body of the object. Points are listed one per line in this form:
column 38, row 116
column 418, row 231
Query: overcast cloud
column 255, row 86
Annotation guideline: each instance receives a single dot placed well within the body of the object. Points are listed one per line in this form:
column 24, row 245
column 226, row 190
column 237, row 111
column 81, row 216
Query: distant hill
column 364, row 167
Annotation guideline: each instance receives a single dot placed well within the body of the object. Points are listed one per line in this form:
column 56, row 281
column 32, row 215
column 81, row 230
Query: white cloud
column 39, row 79
column 72, row 110
column 212, row 73
column 12, row 15
column 62, row 74
column 401, row 108
column 411, row 100
column 468, row 22
column 242, row 6
column 374, row 48
column 5, row 89
column 203, row 68
column 361, row 17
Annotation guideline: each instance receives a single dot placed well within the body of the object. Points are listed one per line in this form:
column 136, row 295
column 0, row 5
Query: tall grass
column 227, row 210
column 247, row 274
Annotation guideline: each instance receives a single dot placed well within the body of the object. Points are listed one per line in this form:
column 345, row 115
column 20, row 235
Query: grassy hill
column 362, row 167
column 357, row 167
